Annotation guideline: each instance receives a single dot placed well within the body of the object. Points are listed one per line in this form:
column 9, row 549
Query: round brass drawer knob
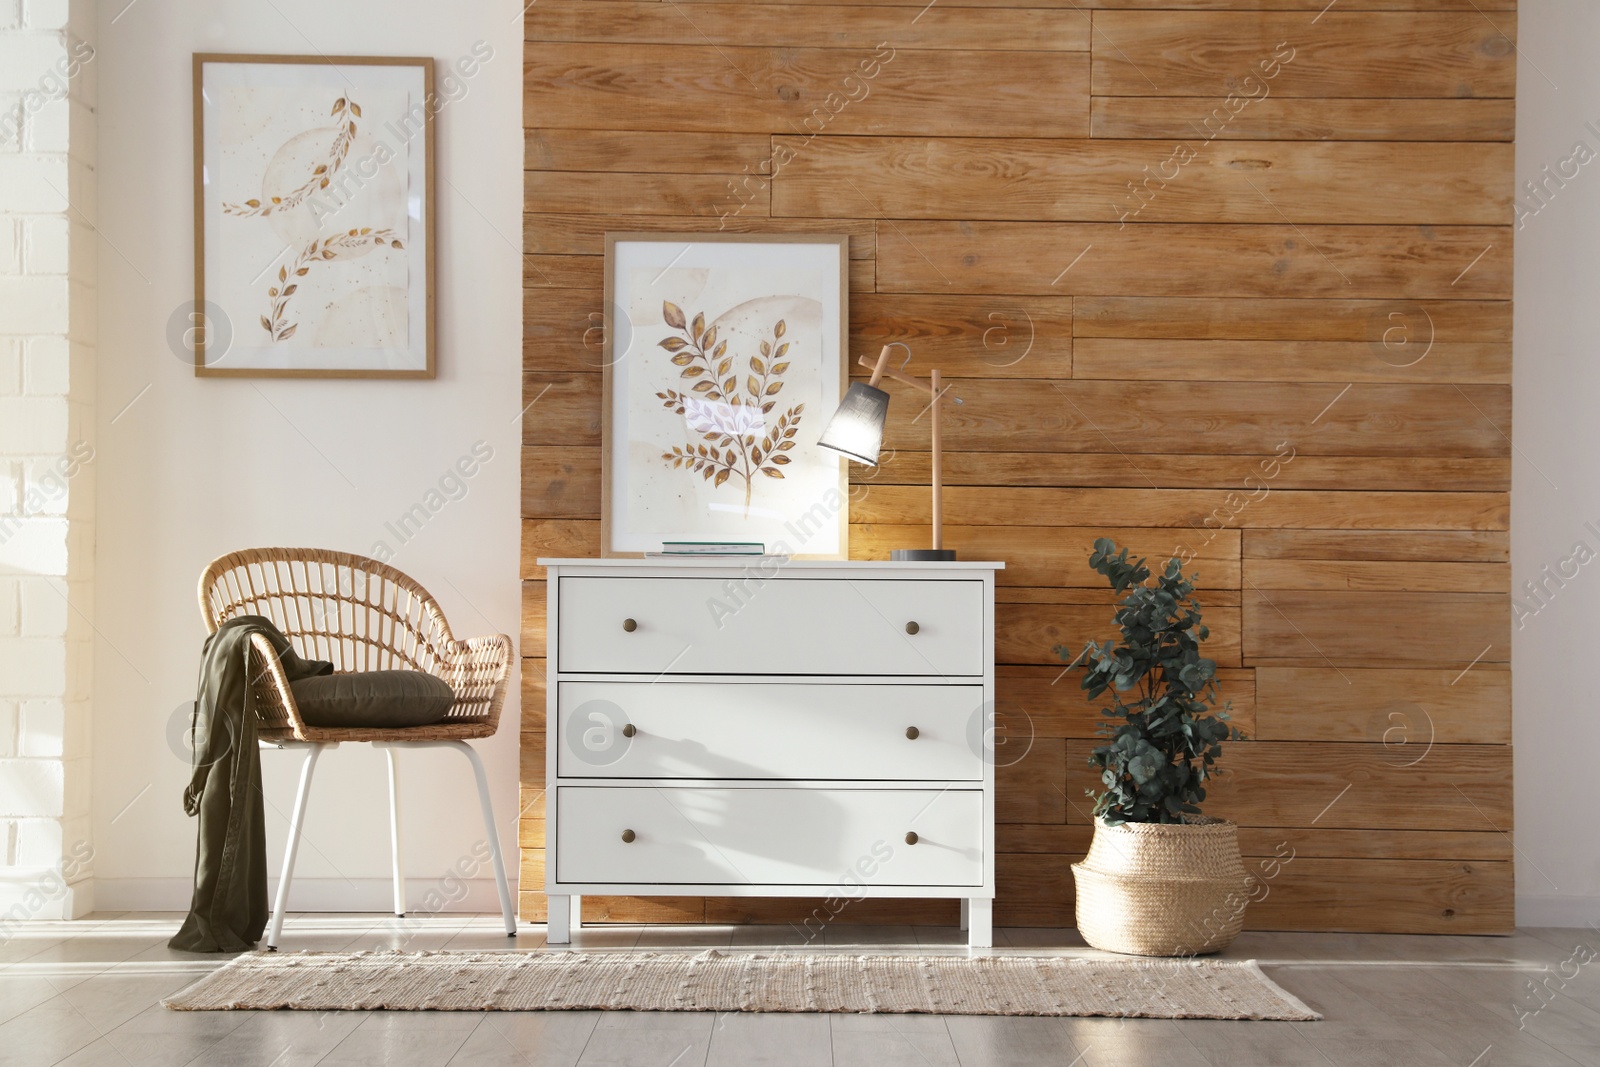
column 911, row 838
column 913, row 733
column 912, row 627
column 627, row 837
column 629, row 730
column 629, row 625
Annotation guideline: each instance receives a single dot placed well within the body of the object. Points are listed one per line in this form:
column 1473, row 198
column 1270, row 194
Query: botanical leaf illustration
column 732, row 422
column 345, row 111
column 340, row 246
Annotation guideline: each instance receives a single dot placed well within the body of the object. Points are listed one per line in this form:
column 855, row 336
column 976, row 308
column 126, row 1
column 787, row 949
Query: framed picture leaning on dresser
column 724, row 356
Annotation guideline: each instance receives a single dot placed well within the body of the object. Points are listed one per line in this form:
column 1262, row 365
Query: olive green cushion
column 372, row 699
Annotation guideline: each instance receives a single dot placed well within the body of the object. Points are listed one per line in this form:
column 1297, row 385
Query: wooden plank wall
column 1225, row 277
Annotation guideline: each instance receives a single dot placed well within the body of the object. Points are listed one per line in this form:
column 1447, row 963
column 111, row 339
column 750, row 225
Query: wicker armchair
column 361, row 615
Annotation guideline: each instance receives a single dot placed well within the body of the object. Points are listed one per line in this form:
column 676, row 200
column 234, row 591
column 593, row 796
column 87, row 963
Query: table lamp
column 856, row 432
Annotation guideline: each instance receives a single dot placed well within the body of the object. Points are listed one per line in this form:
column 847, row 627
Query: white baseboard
column 38, row 895
column 424, row 896
column 1567, row 912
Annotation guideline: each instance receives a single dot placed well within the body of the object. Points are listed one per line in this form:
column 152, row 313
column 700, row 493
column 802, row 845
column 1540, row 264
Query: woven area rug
column 739, row 981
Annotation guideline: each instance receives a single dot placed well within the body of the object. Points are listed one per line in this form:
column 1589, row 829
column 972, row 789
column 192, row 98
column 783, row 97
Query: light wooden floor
column 87, row 993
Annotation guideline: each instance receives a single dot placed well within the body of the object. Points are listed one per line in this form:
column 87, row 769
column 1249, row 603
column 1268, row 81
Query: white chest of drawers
column 770, row 727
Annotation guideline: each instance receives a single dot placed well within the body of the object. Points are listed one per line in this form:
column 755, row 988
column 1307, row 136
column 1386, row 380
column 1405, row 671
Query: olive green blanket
column 229, row 909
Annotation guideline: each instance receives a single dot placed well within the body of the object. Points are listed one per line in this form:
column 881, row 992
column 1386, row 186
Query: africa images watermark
column 47, row 488
column 453, row 485
column 1242, row 93
column 1543, row 190
column 50, row 888
column 1538, row 593
column 337, row 189
column 53, row 85
column 1233, row 504
column 857, row 86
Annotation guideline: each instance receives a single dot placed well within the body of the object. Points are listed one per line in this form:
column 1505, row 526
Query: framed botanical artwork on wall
column 724, row 356
column 313, row 192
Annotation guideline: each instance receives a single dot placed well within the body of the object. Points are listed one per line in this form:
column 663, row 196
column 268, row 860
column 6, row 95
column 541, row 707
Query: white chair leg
column 394, row 833
column 295, row 822
column 500, row 883
column 965, row 917
column 577, row 912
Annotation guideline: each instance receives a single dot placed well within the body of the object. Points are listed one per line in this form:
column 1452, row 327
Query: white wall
column 189, row 469
column 1556, row 472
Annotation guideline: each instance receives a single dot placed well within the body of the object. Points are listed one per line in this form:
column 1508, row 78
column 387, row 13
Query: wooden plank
column 1176, row 5
column 863, row 275
column 535, row 621
column 1118, row 180
column 1099, row 598
column 725, row 88
column 1484, row 362
column 565, row 272
column 645, row 151
column 1483, row 546
column 560, row 324
column 1387, row 897
column 597, row 909
column 1390, row 324
column 1168, row 260
column 557, row 539
column 1319, row 119
column 585, row 235
column 585, row 192
column 1346, row 54
column 1031, row 633
column 530, row 821
column 967, row 337
column 1144, row 471
column 560, row 409
column 1404, row 710
column 810, row 918
column 1028, row 790
column 1183, row 509
column 531, row 904
column 1033, row 890
column 1378, row 576
column 1053, row 556
column 855, row 28
column 1303, row 784
column 1073, row 839
column 1320, row 629
column 562, row 272
column 1319, row 843
column 1311, row 418
column 561, row 482
column 1043, row 702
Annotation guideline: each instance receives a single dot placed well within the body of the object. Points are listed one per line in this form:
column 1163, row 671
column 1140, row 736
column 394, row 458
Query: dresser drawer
column 778, row 626
column 767, row 836
column 769, row 730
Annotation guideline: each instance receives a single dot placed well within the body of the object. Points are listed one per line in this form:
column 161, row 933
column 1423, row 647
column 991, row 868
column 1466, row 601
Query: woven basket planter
column 1149, row 889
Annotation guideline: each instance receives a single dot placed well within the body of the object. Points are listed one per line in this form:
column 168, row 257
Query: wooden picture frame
column 319, row 158
column 733, row 284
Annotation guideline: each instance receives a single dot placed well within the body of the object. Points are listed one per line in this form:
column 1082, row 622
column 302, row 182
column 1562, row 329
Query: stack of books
column 711, row 548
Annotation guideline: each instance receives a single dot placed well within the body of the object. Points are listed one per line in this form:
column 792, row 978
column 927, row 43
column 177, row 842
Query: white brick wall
column 47, row 288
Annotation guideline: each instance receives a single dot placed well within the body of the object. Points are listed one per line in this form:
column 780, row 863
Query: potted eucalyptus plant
column 1160, row 879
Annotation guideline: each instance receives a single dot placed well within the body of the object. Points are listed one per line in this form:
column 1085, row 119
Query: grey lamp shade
column 856, row 429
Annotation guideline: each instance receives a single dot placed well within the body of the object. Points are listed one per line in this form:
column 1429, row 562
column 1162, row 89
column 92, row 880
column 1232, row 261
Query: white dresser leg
column 558, row 926
column 980, row 922
column 965, row 920
column 576, row 917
